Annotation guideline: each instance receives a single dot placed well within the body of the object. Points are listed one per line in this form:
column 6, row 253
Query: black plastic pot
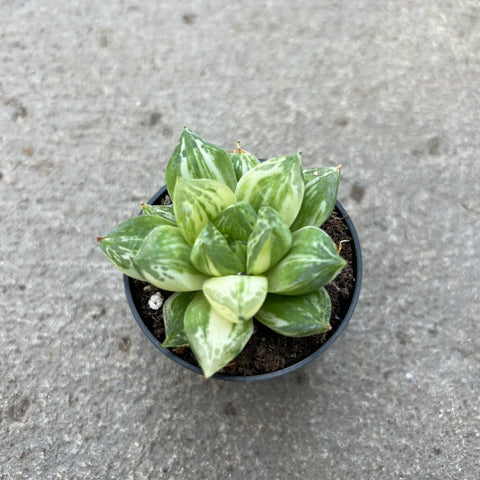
column 357, row 268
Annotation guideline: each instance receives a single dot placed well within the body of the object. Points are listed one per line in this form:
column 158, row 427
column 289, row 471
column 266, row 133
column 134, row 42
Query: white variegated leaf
column 194, row 158
column 236, row 297
column 269, row 241
column 125, row 240
column 237, row 221
column 173, row 317
column 214, row 340
column 242, row 161
column 164, row 261
column 197, row 202
column 211, row 254
column 276, row 183
column 239, row 247
column 321, row 188
column 311, row 263
column 299, row 316
column 164, row 211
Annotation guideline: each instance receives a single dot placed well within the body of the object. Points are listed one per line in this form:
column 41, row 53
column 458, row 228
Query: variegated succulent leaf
column 197, row 202
column 164, row 211
column 164, row 261
column 236, row 297
column 215, row 341
column 212, row 255
column 276, row 183
column 239, row 247
column 174, row 309
column 321, row 188
column 237, row 221
column 122, row 244
column 242, row 162
column 195, row 158
column 269, row 242
column 298, row 316
column 311, row 263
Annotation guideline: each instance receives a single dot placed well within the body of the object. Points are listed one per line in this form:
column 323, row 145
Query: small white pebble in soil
column 156, row 301
column 410, row 377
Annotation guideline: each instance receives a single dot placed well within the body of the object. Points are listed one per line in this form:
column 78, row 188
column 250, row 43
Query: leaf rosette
column 242, row 240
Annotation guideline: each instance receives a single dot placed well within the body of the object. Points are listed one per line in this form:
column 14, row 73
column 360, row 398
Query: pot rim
column 357, row 267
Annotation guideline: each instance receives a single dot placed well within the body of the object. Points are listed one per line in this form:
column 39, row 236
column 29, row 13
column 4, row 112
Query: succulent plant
column 242, row 239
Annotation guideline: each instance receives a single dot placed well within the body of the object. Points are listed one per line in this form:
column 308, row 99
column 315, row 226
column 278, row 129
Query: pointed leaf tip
column 214, row 340
column 276, row 183
column 242, row 161
column 122, row 244
column 299, row 316
column 236, row 297
column 311, row 263
column 195, row 158
column 238, row 149
column 321, row 188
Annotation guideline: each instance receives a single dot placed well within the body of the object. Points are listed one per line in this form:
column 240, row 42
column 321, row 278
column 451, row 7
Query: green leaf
column 198, row 202
column 321, row 188
column 173, row 316
column 125, row 240
column 211, row 254
column 214, row 340
column 164, row 261
column 164, row 211
column 299, row 316
column 311, row 263
column 239, row 248
column 237, row 221
column 195, row 158
column 269, row 241
column 236, row 297
column 276, row 183
column 242, row 161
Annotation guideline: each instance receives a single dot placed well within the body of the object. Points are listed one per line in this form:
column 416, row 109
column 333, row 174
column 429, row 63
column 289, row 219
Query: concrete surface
column 93, row 96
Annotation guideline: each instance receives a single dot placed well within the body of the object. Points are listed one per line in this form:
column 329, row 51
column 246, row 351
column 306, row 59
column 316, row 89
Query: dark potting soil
column 266, row 350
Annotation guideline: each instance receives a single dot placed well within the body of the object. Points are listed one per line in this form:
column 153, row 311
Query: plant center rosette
column 242, row 239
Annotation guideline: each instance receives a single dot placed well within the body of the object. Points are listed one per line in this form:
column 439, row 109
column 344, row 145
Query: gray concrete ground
column 93, row 96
